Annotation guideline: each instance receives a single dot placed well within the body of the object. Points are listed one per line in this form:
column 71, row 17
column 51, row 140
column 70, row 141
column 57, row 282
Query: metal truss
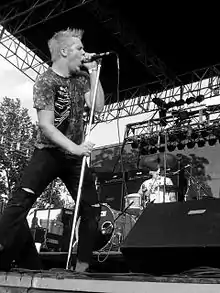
column 17, row 52
column 195, row 118
column 138, row 100
column 17, row 17
column 129, row 38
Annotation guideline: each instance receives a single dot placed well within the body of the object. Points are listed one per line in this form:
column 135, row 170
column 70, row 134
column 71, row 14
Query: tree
column 197, row 175
column 16, row 137
column 52, row 196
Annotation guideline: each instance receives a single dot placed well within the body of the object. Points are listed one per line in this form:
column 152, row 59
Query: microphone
column 96, row 56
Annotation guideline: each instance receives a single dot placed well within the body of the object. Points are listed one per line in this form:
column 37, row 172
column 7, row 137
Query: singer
column 59, row 96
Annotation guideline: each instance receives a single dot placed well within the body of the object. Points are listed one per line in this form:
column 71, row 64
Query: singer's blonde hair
column 62, row 39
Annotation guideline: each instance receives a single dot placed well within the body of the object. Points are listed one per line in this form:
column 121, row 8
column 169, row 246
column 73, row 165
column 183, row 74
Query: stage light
column 135, row 144
column 216, row 132
column 190, row 100
column 170, row 105
column 182, row 135
column 152, row 149
column 144, row 151
column 201, row 143
column 183, row 115
column 179, row 103
column 159, row 102
column 212, row 140
column 180, row 145
column 190, row 144
column 197, row 99
column 200, row 98
column 172, row 137
column 204, row 133
column 171, row 147
column 153, row 140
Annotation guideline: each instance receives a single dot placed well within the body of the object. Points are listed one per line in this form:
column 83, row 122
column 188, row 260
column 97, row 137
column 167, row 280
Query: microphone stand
column 165, row 166
column 79, row 192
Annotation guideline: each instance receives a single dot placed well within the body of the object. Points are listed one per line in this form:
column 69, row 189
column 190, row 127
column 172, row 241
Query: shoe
column 81, row 267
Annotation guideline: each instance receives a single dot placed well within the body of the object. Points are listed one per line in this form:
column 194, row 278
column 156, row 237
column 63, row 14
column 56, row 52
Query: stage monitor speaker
column 172, row 237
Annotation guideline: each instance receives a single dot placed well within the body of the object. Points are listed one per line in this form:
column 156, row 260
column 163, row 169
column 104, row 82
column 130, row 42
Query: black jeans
column 44, row 166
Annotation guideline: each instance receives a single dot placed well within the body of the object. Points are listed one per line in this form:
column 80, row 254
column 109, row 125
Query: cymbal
column 154, row 161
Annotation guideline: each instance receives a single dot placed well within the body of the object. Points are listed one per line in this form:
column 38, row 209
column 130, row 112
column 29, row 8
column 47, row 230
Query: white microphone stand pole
column 165, row 166
column 76, row 211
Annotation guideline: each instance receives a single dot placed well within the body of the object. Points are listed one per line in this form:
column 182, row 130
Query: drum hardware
column 113, row 227
column 107, row 227
column 195, row 187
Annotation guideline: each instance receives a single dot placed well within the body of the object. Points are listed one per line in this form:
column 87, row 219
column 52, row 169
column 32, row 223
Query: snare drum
column 133, row 203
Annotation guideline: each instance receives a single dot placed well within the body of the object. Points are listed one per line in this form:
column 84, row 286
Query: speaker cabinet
column 172, row 237
column 113, row 192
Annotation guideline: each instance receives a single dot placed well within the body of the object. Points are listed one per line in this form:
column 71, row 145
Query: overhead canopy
column 155, row 42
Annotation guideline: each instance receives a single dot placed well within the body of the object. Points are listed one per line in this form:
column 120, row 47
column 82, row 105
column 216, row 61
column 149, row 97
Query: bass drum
column 123, row 225
column 113, row 228
column 105, row 228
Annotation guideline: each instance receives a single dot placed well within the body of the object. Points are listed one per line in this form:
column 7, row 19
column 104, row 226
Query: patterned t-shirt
column 64, row 96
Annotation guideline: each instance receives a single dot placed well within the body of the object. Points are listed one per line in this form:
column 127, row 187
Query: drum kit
column 135, row 203
column 114, row 225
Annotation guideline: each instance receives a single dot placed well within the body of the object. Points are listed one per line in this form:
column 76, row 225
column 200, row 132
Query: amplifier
column 113, row 192
column 59, row 231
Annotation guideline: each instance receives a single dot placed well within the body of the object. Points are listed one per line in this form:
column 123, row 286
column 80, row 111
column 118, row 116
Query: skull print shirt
column 64, row 96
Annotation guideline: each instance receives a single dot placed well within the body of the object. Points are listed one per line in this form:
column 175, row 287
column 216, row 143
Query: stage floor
column 110, row 274
column 58, row 280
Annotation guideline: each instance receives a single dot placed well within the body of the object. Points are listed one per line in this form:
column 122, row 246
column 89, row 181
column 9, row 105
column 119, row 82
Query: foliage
column 52, row 196
column 16, row 134
column 196, row 174
column 17, row 138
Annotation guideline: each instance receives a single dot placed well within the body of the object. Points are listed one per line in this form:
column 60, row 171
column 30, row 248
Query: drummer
column 152, row 190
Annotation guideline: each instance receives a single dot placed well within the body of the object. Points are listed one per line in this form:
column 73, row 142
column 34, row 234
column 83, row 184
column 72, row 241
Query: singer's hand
column 87, row 63
column 85, row 148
